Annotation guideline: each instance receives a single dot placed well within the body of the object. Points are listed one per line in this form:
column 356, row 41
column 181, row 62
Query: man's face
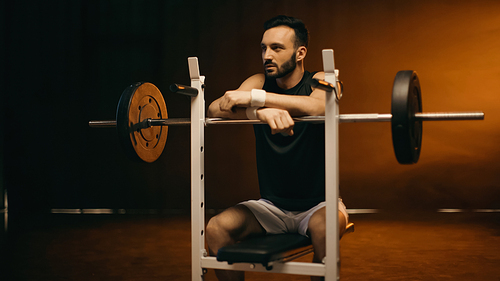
column 278, row 51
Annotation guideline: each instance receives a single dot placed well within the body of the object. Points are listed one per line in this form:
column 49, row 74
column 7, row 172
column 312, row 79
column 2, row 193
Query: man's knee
column 317, row 223
column 220, row 225
column 218, row 233
column 234, row 223
column 212, row 227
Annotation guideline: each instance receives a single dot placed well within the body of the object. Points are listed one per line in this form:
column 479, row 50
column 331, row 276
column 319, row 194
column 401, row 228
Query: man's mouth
column 269, row 65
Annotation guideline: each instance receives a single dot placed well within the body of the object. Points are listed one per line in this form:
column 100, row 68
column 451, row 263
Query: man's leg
column 227, row 228
column 317, row 232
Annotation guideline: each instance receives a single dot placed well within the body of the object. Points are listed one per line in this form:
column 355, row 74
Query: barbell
column 142, row 120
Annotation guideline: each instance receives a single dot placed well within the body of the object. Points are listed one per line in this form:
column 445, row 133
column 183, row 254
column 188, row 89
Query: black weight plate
column 406, row 130
column 138, row 103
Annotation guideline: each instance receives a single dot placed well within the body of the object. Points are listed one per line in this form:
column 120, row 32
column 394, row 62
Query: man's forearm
column 236, row 113
column 312, row 105
column 296, row 105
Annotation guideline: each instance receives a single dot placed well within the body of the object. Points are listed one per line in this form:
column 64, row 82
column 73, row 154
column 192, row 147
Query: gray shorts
column 275, row 220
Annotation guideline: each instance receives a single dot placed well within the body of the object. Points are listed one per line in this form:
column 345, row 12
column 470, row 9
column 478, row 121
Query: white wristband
column 252, row 113
column 258, row 98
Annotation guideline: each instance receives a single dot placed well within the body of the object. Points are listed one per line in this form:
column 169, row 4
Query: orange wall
column 453, row 47
column 67, row 63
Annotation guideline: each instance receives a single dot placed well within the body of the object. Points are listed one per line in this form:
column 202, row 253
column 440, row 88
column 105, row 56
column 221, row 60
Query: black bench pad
column 262, row 249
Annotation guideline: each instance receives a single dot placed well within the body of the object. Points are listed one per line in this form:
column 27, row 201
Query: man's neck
column 292, row 79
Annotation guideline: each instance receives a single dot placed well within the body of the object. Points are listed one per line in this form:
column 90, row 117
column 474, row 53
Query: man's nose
column 266, row 55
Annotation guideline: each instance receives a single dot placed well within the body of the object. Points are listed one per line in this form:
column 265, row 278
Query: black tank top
column 291, row 169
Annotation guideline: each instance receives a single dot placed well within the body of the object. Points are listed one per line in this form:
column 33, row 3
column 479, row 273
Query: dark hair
column 301, row 33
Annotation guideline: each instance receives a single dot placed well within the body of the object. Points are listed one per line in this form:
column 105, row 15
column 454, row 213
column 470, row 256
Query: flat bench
column 268, row 249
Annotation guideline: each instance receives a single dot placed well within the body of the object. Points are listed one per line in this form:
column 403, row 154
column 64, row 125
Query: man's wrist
column 252, row 113
column 258, row 98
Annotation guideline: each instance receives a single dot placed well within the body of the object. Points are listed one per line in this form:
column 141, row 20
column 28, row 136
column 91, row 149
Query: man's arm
column 236, row 112
column 279, row 120
column 313, row 105
column 278, row 107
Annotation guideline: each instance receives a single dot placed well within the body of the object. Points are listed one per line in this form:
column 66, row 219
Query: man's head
column 301, row 33
column 284, row 44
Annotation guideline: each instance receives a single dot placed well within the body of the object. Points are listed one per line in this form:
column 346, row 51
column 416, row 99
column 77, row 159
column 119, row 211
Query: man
column 290, row 157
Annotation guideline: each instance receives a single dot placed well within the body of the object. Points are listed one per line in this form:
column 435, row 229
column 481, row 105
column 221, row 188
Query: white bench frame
column 199, row 257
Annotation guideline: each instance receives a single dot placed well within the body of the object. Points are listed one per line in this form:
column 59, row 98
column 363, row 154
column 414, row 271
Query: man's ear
column 301, row 53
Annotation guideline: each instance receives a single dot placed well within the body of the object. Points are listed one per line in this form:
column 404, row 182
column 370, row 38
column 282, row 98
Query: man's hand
column 279, row 120
column 232, row 99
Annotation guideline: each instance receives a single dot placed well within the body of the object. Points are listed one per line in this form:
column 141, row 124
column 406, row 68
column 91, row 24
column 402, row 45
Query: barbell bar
column 343, row 118
column 142, row 120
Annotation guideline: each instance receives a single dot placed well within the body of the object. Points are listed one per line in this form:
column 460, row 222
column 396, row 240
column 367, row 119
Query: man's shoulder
column 317, row 74
column 308, row 76
column 255, row 81
column 258, row 77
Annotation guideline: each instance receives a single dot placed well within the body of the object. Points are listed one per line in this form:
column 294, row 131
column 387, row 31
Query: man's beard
column 285, row 69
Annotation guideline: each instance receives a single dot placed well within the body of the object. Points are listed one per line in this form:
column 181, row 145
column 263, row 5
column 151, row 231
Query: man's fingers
column 279, row 120
column 224, row 104
column 282, row 122
column 289, row 123
column 232, row 99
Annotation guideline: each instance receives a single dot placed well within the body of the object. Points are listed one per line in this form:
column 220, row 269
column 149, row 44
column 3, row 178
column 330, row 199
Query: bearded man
column 290, row 157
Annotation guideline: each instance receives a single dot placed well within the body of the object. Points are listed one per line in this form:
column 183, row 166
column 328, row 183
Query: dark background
column 64, row 63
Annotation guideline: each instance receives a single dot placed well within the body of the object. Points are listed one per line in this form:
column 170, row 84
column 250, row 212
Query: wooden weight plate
column 138, row 103
column 406, row 130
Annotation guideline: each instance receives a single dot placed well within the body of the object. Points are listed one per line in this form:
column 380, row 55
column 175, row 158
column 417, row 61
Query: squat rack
column 200, row 261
